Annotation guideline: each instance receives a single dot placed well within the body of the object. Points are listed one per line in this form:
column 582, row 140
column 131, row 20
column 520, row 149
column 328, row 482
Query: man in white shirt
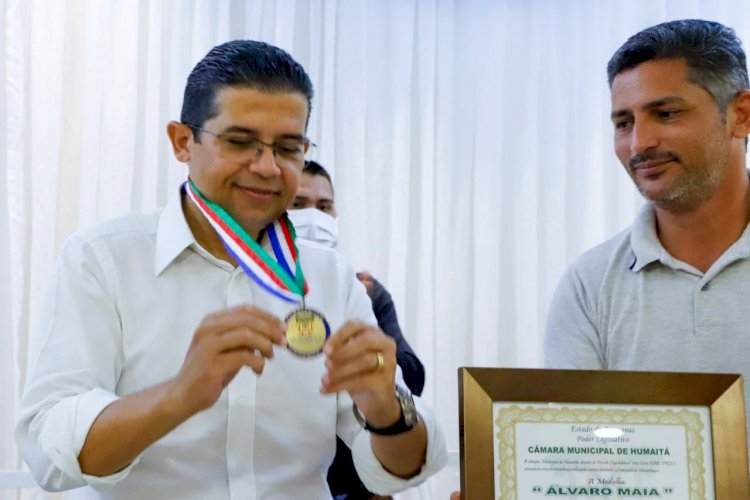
column 142, row 389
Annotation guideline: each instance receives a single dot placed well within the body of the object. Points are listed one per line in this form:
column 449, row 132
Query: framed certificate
column 543, row 434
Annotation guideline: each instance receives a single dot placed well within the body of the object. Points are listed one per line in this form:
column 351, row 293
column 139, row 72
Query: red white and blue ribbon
column 274, row 275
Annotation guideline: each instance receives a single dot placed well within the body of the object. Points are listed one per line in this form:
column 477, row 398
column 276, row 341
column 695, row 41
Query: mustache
column 637, row 160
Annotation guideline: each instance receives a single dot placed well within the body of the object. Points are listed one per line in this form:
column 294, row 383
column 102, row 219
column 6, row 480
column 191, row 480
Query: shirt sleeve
column 75, row 373
column 385, row 313
column 371, row 472
column 572, row 339
column 377, row 479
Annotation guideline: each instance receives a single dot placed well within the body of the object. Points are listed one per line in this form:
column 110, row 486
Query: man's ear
column 180, row 135
column 740, row 115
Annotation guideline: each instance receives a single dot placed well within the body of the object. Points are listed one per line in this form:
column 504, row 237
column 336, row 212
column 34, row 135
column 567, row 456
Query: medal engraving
column 306, row 332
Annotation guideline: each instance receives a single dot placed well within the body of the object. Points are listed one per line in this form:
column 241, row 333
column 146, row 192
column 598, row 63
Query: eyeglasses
column 246, row 147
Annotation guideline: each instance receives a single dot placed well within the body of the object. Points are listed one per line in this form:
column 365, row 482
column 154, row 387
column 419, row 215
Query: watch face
column 408, row 420
column 407, row 406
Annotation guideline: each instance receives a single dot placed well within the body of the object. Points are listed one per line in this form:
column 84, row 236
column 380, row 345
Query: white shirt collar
column 173, row 235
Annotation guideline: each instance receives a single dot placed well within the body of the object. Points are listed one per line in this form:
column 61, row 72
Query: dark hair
column 314, row 168
column 243, row 63
column 712, row 51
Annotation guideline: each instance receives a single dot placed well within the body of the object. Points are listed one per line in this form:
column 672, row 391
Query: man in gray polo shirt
column 670, row 293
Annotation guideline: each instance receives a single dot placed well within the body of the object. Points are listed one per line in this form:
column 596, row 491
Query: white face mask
column 315, row 225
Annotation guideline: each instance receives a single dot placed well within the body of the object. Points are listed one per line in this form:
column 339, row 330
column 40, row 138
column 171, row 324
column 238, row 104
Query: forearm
column 402, row 455
column 128, row 426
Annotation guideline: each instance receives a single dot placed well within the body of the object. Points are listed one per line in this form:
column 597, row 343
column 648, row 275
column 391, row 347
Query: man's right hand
column 224, row 342
column 367, row 280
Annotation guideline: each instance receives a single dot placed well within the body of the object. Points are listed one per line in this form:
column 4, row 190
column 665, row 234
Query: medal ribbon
column 274, row 275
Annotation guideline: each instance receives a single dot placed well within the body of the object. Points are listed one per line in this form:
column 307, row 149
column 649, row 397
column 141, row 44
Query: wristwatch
column 407, row 421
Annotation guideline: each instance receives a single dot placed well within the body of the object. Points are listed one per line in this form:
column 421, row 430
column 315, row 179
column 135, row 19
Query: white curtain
column 469, row 142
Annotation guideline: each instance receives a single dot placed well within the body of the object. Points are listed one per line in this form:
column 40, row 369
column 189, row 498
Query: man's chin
column 657, row 195
column 255, row 223
column 672, row 201
column 651, row 191
column 664, row 187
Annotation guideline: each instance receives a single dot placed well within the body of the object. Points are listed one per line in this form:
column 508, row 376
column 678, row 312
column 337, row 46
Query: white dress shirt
column 124, row 302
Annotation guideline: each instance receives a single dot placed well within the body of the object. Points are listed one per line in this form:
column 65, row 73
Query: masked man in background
column 314, row 215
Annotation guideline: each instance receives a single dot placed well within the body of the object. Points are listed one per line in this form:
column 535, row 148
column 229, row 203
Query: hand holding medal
column 223, row 343
column 361, row 360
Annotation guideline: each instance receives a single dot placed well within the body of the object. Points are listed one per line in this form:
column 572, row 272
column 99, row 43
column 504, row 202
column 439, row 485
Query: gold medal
column 306, row 332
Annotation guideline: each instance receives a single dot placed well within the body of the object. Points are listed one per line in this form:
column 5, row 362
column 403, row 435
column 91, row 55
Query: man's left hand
column 361, row 360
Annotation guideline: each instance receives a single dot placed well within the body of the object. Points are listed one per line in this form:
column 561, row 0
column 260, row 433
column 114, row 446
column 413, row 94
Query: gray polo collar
column 643, row 239
column 647, row 248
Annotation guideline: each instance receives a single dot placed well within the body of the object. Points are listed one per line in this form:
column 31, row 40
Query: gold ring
column 381, row 361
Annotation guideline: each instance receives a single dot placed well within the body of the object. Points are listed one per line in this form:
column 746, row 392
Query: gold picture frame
column 480, row 388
